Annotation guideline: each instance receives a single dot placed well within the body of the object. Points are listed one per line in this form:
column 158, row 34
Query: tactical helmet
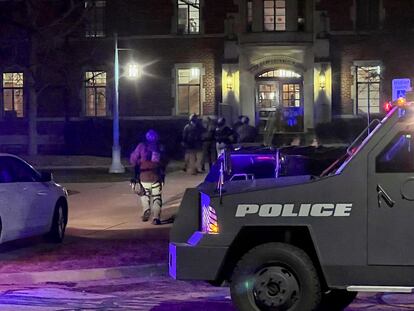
column 221, row 121
column 193, row 117
column 151, row 136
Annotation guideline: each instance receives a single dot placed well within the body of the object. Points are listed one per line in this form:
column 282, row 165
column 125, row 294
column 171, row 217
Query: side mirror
column 46, row 176
column 227, row 161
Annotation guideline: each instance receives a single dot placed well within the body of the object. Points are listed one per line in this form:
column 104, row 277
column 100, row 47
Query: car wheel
column 336, row 300
column 57, row 232
column 275, row 277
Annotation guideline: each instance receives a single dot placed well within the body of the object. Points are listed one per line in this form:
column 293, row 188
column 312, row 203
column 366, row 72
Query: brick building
column 291, row 64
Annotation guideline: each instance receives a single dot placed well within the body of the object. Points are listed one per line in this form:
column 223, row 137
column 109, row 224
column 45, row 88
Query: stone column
column 230, row 81
column 308, row 78
column 247, row 90
column 310, row 8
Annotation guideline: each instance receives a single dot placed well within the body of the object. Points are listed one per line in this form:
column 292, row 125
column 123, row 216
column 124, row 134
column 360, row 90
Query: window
column 249, row 15
column 279, row 73
column 188, row 16
column 188, row 91
column 367, row 14
column 301, row 15
column 291, row 95
column 368, row 80
column 398, row 156
column 13, row 94
column 95, row 93
column 14, row 170
column 274, row 15
column 95, row 18
column 268, row 96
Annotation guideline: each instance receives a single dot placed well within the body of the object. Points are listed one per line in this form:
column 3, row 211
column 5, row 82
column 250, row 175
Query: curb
column 82, row 275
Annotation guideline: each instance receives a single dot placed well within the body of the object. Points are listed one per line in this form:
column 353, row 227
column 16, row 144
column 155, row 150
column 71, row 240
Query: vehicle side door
column 391, row 199
column 40, row 201
column 14, row 203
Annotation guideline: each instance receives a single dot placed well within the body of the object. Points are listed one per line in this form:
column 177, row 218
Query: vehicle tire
column 336, row 300
column 275, row 277
column 57, row 232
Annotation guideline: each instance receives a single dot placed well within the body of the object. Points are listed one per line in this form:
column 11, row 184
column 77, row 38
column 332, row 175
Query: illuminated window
column 368, row 80
column 268, row 96
column 274, row 15
column 95, row 94
column 13, row 84
column 188, row 16
column 249, row 15
column 188, row 91
column 280, row 73
column 291, row 95
column 95, row 18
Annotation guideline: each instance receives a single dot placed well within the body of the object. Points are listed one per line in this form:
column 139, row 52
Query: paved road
column 104, row 230
column 153, row 294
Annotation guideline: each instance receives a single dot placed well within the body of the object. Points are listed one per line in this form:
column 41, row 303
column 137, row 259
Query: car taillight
column 209, row 223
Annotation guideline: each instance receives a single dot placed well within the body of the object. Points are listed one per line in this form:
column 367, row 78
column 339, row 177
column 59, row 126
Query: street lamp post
column 116, row 166
column 134, row 72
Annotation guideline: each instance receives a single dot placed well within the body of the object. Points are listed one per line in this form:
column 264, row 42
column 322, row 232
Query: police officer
column 192, row 142
column 209, row 143
column 149, row 160
column 224, row 135
column 246, row 133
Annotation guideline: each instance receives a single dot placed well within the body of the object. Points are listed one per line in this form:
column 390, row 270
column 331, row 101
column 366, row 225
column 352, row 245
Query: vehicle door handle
column 383, row 195
column 42, row 193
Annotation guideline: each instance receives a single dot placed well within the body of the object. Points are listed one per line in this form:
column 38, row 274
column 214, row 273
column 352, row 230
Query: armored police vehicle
column 305, row 242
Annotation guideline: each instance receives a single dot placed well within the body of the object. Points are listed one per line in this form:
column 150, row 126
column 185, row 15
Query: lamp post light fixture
column 134, row 71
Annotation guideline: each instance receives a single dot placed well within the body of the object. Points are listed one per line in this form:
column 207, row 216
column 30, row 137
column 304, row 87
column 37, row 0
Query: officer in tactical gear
column 149, row 161
column 245, row 132
column 192, row 142
column 224, row 135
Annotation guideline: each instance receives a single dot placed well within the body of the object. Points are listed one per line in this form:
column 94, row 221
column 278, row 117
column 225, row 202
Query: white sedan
column 31, row 203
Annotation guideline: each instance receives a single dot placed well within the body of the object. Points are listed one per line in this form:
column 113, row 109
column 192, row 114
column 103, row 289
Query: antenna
column 221, row 181
column 277, row 164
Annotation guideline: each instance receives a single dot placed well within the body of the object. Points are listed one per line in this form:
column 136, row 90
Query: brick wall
column 139, row 17
column 394, row 51
column 339, row 13
column 153, row 94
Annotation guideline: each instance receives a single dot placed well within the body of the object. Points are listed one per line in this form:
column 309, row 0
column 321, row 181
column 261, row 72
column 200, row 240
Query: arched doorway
column 279, row 100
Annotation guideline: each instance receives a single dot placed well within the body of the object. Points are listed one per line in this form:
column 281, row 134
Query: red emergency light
column 387, row 107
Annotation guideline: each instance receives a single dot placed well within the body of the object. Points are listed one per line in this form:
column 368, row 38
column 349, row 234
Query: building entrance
column 279, row 100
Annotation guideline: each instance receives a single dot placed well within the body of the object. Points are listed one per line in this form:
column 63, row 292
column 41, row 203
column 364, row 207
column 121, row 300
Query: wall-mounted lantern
column 322, row 80
column 229, row 81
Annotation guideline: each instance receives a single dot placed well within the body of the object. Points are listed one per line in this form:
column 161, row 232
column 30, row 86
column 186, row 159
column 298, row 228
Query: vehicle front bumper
column 189, row 261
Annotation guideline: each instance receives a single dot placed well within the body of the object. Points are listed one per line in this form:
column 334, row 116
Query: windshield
column 354, row 147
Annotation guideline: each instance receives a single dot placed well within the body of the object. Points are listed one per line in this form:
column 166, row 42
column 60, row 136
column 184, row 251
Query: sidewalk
column 55, row 162
column 83, row 275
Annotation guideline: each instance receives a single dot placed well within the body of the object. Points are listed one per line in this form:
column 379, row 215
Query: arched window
column 279, row 73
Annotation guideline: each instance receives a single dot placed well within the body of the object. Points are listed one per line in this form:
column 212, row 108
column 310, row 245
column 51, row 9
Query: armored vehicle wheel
column 275, row 277
column 336, row 300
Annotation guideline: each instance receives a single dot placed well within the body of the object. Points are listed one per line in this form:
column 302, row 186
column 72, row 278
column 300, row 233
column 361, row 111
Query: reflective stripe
column 383, row 289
